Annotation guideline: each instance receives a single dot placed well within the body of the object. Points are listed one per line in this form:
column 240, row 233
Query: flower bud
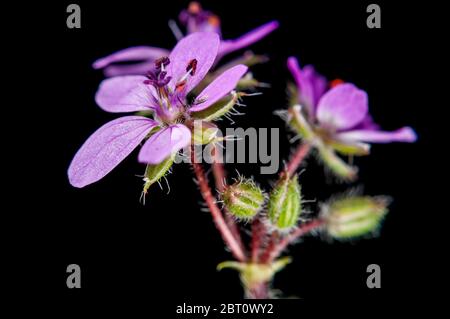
column 204, row 132
column 354, row 216
column 285, row 207
column 243, row 199
column 153, row 173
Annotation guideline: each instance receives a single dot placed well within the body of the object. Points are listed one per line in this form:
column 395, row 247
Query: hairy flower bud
column 243, row 199
column 285, row 206
column 204, row 132
column 354, row 216
column 154, row 173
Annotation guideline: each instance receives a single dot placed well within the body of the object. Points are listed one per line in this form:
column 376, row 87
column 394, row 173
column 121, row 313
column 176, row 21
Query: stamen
column 161, row 63
column 194, row 7
column 192, row 66
column 180, row 86
column 214, row 21
column 336, row 82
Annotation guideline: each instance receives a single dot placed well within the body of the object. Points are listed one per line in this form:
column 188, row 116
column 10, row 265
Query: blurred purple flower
column 195, row 19
column 163, row 91
column 341, row 113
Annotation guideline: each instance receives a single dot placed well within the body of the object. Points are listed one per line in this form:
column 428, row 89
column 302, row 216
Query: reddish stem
column 258, row 231
column 300, row 231
column 297, row 158
column 259, row 291
column 217, row 216
column 273, row 241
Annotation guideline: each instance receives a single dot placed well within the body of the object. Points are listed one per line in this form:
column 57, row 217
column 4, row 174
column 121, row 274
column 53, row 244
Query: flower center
column 171, row 103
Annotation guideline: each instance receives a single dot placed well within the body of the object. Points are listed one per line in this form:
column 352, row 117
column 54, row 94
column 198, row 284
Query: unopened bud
column 243, row 199
column 204, row 132
column 285, row 206
column 154, row 173
column 354, row 216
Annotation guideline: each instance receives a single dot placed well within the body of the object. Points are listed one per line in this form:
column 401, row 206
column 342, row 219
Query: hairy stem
column 304, row 229
column 217, row 216
column 297, row 158
column 271, row 246
column 258, row 232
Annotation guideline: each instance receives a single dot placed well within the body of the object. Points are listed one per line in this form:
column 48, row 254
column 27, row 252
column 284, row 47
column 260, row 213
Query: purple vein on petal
column 106, row 148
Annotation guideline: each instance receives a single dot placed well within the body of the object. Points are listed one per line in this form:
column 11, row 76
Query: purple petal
column 164, row 143
column 220, row 87
column 125, row 94
column 201, row 46
column 366, row 124
column 130, row 69
column 305, row 82
column 342, row 107
column 227, row 46
column 131, row 54
column 405, row 134
column 106, row 148
column 319, row 83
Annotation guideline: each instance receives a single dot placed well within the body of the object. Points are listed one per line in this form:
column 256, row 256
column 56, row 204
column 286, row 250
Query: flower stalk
column 228, row 237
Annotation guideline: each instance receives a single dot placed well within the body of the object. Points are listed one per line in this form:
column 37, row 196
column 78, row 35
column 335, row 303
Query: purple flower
column 341, row 113
column 163, row 91
column 195, row 19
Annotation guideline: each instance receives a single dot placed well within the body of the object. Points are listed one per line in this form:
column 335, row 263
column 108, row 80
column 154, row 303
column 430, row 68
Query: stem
column 221, row 182
column 271, row 246
column 218, row 219
column 258, row 231
column 300, row 231
column 297, row 158
column 260, row 291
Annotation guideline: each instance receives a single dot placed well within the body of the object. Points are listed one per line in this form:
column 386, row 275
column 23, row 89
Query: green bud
column 285, row 206
column 154, row 173
column 354, row 216
column 243, row 199
column 204, row 132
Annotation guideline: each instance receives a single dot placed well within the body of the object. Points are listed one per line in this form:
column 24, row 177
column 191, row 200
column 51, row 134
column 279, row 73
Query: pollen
column 194, row 7
column 336, row 82
column 214, row 21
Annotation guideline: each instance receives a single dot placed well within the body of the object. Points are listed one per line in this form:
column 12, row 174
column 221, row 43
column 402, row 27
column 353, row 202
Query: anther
column 192, row 67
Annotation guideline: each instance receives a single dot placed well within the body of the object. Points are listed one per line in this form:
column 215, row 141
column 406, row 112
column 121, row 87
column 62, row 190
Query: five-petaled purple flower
column 340, row 114
column 163, row 91
column 195, row 19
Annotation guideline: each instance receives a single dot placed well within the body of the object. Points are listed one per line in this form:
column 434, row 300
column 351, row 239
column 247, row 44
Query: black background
column 166, row 252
